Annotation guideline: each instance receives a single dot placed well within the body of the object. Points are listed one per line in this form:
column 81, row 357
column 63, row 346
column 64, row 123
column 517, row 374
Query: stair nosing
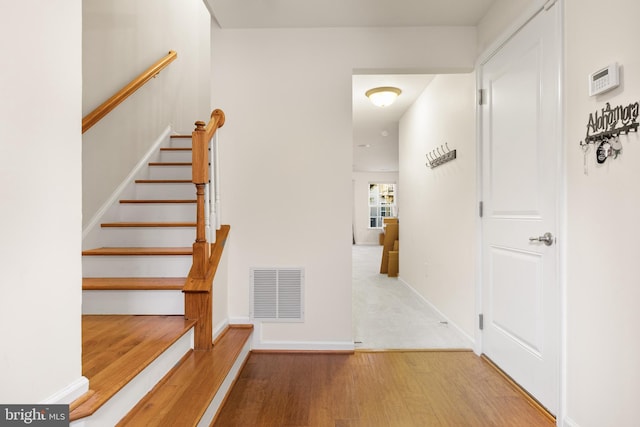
column 163, row 181
column 138, row 251
column 159, row 201
column 132, row 283
column 180, row 224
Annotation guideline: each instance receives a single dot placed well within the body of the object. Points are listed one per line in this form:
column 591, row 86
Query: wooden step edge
column 159, row 201
column 217, row 363
column 176, row 149
column 170, row 164
column 163, row 181
column 133, row 283
column 94, row 400
column 146, row 224
column 180, row 136
column 127, row 251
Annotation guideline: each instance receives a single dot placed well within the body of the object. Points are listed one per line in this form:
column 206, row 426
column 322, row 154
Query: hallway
column 389, row 315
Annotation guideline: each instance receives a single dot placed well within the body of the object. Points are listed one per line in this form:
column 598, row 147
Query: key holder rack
column 440, row 156
column 607, row 125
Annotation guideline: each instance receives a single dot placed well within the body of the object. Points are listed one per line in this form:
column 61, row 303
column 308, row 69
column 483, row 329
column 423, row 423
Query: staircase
column 138, row 347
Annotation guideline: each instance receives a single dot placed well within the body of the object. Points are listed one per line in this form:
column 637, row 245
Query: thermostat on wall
column 604, row 80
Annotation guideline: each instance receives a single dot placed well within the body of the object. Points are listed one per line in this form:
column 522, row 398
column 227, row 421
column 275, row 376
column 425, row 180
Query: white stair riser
column 166, row 191
column 169, row 172
column 136, row 266
column 180, row 143
column 119, row 405
column 148, row 236
column 149, row 302
column 175, row 156
column 183, row 212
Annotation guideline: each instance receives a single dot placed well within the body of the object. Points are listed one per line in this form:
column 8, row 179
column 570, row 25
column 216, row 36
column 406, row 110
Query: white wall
column 603, row 207
column 438, row 212
column 40, row 188
column 286, row 155
column 361, row 180
column 121, row 39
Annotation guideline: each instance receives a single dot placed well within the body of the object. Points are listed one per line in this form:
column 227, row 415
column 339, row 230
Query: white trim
column 259, row 344
column 568, row 422
column 240, row 321
column 562, row 230
column 305, row 345
column 451, row 323
column 68, row 394
column 506, row 35
column 115, row 196
column 220, row 328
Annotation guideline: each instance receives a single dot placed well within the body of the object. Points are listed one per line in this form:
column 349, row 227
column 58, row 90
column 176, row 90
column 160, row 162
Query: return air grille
column 277, row 293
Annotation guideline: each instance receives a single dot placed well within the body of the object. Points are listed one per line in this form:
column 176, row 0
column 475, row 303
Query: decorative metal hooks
column 440, row 155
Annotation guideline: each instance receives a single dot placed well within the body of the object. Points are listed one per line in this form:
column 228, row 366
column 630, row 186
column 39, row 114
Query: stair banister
column 106, row 107
column 201, row 137
column 199, row 285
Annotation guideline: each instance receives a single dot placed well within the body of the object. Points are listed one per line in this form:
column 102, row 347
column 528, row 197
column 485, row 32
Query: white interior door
column 521, row 156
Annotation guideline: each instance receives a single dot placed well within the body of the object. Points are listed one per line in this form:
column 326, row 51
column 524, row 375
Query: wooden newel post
column 200, row 177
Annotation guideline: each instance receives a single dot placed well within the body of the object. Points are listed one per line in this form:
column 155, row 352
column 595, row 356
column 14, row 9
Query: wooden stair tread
column 133, row 283
column 144, row 201
column 190, row 387
column 117, row 348
column 170, row 164
column 139, row 251
column 163, row 181
column 147, row 224
column 176, row 149
column 180, row 136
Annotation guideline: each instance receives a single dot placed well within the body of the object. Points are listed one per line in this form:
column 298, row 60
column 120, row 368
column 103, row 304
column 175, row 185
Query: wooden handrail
column 106, row 107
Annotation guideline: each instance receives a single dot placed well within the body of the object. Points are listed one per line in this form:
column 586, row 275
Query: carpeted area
column 387, row 314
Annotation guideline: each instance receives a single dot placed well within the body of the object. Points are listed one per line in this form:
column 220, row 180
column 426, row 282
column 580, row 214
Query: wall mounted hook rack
column 440, row 156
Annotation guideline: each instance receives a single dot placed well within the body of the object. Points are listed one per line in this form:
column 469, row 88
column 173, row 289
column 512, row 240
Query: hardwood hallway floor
column 370, row 389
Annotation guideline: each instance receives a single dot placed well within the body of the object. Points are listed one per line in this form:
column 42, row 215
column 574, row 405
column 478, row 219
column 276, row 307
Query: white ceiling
column 369, row 121
column 346, row 13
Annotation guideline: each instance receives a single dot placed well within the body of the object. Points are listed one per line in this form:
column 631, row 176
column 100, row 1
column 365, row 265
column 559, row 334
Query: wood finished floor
column 403, row 389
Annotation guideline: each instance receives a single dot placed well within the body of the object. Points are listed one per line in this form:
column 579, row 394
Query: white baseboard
column 471, row 341
column 220, row 328
column 568, row 422
column 69, row 393
column 304, row 345
column 115, row 196
column 259, row 344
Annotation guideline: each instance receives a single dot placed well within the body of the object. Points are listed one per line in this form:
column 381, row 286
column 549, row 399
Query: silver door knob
column 547, row 238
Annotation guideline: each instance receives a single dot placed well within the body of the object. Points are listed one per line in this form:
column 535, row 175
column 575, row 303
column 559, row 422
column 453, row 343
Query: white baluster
column 216, row 182
column 212, row 189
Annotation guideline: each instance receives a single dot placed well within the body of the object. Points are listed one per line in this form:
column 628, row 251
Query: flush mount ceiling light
column 383, row 96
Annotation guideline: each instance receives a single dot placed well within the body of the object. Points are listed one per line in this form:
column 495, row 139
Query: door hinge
column 481, row 321
column 482, row 96
column 480, row 209
column 548, row 5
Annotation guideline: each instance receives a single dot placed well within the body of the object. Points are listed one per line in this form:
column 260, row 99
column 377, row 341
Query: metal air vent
column 277, row 294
